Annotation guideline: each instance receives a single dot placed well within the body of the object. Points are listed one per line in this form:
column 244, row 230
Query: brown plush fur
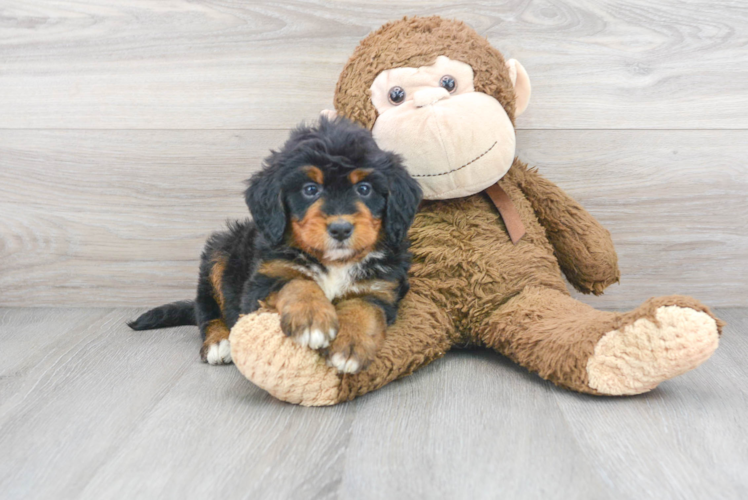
column 414, row 42
column 466, row 267
column 466, row 271
column 582, row 246
column 469, row 283
column 554, row 335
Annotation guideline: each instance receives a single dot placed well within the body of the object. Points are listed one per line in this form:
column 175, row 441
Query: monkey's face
column 455, row 141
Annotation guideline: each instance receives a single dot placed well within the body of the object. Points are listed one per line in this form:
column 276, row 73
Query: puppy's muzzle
column 340, row 230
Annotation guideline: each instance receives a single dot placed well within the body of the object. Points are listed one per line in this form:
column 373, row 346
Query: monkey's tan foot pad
column 277, row 364
column 637, row 357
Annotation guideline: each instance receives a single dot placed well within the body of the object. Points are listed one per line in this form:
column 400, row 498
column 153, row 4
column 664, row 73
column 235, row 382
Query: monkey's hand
column 583, row 247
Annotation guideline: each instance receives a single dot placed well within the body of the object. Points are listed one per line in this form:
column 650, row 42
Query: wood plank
column 29, row 337
column 21, row 327
column 674, row 203
column 75, row 407
column 215, row 435
column 107, row 412
column 685, row 439
column 264, row 64
column 116, row 413
column 118, row 218
column 145, row 426
column 112, row 217
column 737, row 333
column 473, row 425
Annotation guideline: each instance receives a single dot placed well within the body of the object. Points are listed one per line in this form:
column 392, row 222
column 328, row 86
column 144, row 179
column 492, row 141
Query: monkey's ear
column 265, row 202
column 522, row 87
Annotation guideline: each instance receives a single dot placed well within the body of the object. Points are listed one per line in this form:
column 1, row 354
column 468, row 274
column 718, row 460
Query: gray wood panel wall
column 127, row 128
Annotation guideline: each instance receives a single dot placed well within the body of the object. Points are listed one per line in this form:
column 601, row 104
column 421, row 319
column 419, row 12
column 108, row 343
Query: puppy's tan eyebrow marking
column 358, row 175
column 315, row 174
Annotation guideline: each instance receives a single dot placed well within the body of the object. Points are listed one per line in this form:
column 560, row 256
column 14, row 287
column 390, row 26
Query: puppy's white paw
column 344, row 364
column 219, row 354
column 315, row 338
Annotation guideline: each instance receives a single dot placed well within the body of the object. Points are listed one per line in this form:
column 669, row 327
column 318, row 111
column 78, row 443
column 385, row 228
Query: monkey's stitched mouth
column 484, row 153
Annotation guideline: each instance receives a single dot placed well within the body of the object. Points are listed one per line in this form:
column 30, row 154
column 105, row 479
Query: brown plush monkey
column 437, row 93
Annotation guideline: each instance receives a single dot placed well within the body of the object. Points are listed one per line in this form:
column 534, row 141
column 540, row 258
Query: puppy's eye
column 448, row 82
column 363, row 189
column 396, row 95
column 310, row 190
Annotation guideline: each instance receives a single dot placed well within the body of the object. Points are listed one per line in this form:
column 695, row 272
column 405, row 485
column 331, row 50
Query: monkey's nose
column 428, row 96
column 340, row 230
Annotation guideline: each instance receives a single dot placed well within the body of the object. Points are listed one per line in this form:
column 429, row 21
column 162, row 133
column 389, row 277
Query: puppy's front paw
column 218, row 353
column 311, row 323
column 351, row 355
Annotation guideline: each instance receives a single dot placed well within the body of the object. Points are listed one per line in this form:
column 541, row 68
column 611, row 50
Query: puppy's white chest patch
column 338, row 279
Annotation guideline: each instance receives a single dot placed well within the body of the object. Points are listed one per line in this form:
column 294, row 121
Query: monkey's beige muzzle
column 465, row 143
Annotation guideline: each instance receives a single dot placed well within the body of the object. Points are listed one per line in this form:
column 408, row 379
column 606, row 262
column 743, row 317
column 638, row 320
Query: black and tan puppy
column 327, row 249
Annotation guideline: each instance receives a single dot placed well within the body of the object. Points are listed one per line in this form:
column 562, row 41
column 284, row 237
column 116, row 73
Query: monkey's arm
column 583, row 247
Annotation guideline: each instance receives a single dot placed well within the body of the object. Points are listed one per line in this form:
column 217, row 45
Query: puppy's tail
column 174, row 314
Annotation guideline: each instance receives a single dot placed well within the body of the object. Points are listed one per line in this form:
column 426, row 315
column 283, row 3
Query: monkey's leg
column 300, row 375
column 578, row 347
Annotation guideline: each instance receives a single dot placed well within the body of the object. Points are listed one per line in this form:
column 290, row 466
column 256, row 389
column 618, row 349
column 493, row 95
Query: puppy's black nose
column 340, row 230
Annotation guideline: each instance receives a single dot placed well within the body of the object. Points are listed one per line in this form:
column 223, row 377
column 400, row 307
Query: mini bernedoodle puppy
column 327, row 249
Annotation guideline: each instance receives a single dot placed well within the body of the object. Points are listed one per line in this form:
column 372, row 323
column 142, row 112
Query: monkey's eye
column 310, row 190
column 449, row 83
column 397, row 95
column 363, row 189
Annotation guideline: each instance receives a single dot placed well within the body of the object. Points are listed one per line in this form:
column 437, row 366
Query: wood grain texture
column 687, row 438
column 671, row 200
column 262, row 64
column 119, row 217
column 114, row 217
column 451, row 431
column 90, row 409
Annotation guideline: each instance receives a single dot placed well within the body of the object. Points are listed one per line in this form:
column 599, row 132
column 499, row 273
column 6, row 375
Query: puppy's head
column 333, row 193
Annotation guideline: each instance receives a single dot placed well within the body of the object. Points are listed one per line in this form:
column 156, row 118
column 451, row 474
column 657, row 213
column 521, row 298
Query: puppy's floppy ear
column 265, row 201
column 402, row 202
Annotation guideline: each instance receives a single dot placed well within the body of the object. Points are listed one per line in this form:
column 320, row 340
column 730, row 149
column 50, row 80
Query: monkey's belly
column 464, row 260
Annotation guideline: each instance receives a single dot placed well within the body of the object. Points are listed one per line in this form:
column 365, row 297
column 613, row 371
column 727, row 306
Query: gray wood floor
column 126, row 130
column 90, row 409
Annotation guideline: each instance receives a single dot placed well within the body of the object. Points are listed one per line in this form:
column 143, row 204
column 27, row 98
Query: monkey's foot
column 640, row 355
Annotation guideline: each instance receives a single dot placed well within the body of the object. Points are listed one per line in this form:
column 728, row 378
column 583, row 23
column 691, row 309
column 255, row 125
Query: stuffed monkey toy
column 489, row 244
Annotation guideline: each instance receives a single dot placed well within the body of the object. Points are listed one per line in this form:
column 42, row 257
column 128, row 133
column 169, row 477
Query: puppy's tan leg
column 216, row 349
column 307, row 315
column 361, row 334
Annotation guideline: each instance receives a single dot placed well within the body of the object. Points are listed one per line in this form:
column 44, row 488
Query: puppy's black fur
column 329, row 203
